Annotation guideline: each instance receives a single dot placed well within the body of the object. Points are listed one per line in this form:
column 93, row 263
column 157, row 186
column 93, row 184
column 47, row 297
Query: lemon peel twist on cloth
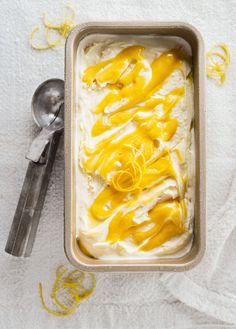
column 69, row 289
column 62, row 29
column 218, row 60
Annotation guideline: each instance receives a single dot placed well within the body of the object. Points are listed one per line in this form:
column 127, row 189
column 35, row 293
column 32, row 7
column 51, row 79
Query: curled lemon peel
column 218, row 60
column 63, row 29
column 68, row 291
column 129, row 178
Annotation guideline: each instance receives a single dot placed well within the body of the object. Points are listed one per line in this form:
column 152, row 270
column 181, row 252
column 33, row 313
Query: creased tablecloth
column 201, row 298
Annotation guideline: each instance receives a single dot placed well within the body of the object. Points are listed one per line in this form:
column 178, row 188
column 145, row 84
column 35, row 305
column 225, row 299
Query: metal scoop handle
column 25, row 223
column 38, row 145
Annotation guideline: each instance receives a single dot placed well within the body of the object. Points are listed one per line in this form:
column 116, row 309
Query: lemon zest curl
column 62, row 29
column 67, row 292
column 218, row 60
column 129, row 178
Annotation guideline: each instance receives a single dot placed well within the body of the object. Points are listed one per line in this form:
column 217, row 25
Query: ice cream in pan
column 134, row 147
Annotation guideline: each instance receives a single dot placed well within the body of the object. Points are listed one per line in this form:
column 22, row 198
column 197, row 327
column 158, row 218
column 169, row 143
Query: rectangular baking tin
column 73, row 252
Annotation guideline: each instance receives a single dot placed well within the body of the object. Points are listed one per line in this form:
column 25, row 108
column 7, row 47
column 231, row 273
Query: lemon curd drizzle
column 133, row 164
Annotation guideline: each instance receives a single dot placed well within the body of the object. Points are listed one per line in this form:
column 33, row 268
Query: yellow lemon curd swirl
column 133, row 163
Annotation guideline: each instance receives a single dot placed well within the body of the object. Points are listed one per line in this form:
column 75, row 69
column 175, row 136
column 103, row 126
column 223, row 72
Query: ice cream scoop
column 47, row 111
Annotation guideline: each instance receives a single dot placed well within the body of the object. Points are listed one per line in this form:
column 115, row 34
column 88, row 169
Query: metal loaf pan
column 73, row 252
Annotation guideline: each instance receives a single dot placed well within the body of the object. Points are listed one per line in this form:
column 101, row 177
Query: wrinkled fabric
column 210, row 287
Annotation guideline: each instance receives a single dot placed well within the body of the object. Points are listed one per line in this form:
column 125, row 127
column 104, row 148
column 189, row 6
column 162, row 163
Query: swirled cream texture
column 134, row 147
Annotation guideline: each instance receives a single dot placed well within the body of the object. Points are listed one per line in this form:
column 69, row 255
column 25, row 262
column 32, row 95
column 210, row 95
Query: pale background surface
column 121, row 300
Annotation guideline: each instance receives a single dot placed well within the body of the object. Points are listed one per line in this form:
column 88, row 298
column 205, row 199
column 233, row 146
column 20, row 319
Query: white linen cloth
column 204, row 297
column 211, row 287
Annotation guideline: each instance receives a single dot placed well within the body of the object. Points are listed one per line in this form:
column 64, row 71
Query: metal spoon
column 47, row 112
column 46, row 103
